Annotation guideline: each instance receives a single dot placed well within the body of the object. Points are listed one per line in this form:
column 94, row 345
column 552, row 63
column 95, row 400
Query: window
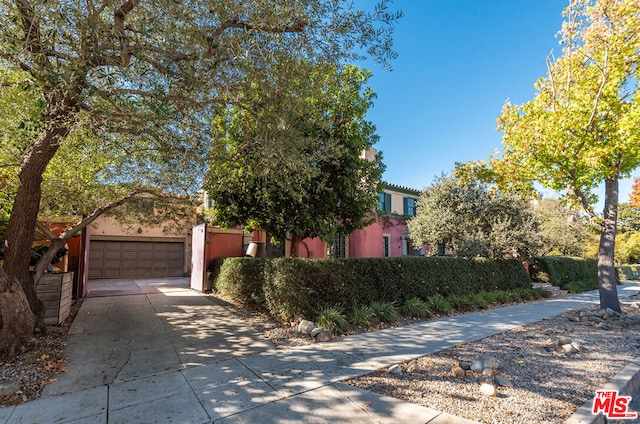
column 337, row 247
column 384, row 202
column 386, row 243
column 409, row 206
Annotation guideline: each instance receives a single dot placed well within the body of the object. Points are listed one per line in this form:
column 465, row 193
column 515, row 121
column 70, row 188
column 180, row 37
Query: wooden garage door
column 121, row 259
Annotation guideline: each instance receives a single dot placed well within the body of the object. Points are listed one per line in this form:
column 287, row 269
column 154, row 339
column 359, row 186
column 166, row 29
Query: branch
column 234, row 23
column 57, row 242
column 40, row 226
column 603, row 70
column 32, row 28
column 551, row 78
column 585, row 203
column 176, row 56
column 119, row 17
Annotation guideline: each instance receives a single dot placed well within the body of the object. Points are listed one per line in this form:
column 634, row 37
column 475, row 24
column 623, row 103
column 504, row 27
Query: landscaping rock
column 315, row 332
column 477, row 366
column 563, row 340
column 488, row 372
column 489, row 361
column 458, row 372
column 487, row 389
column 413, row 367
column 465, row 365
column 503, row 381
column 485, row 379
column 569, row 348
column 305, row 327
column 324, row 336
column 395, row 369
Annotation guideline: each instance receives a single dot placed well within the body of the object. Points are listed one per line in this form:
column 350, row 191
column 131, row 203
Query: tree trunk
column 24, row 213
column 606, row 268
column 294, row 252
column 16, row 318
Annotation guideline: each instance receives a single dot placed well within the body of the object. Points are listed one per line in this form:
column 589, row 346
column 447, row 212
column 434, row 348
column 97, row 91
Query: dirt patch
column 25, row 376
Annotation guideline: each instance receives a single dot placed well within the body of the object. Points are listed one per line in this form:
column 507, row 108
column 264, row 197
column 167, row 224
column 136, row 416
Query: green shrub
column 478, row 301
column 562, row 270
column 332, row 319
column 439, row 303
column 293, row 287
column 490, row 297
column 581, row 286
column 416, row 308
column 628, row 272
column 503, row 296
column 362, row 316
column 461, row 303
column 242, row 279
column 385, row 312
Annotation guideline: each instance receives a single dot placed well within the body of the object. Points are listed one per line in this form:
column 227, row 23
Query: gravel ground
column 549, row 384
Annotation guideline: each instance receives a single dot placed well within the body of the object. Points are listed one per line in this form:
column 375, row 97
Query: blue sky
column 458, row 63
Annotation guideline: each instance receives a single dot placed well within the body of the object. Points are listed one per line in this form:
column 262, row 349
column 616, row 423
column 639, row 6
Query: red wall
column 368, row 243
column 223, row 245
column 313, row 248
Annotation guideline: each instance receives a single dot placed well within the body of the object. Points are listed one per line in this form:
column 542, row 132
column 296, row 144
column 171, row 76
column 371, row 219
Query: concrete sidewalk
column 153, row 351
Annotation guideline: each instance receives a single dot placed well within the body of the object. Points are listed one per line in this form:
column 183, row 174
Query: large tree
column 291, row 163
column 471, row 219
column 581, row 128
column 562, row 230
column 144, row 77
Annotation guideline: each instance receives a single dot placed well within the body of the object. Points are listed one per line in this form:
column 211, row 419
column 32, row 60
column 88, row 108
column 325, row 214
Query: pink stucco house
column 386, row 236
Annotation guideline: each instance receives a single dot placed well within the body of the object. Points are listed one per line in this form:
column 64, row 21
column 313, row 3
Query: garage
column 135, row 258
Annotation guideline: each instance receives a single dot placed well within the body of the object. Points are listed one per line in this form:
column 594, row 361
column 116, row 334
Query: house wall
column 224, row 243
column 366, row 242
column 105, row 226
column 395, row 228
column 310, row 248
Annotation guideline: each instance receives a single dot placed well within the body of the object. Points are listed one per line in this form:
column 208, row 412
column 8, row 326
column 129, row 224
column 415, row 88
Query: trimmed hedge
column 562, row 270
column 628, row 272
column 240, row 278
column 289, row 288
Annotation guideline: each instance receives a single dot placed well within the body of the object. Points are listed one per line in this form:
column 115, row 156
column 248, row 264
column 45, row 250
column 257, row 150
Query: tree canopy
column 134, row 85
column 562, row 230
column 472, row 219
column 291, row 163
column 581, row 128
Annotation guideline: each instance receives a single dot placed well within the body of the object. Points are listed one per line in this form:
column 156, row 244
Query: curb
column 626, row 382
